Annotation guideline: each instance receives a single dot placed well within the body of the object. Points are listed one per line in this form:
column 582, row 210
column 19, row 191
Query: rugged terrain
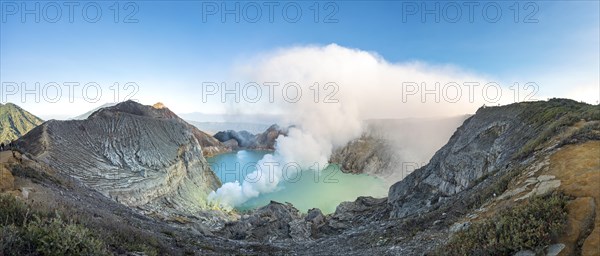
column 15, row 122
column 521, row 178
column 213, row 127
column 89, row 113
column 141, row 156
column 210, row 146
column 499, row 159
column 392, row 148
column 245, row 140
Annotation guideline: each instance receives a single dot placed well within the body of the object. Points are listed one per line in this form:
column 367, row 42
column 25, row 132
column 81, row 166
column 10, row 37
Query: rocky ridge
column 237, row 140
column 491, row 162
column 488, row 142
column 141, row 156
column 392, row 148
column 498, row 159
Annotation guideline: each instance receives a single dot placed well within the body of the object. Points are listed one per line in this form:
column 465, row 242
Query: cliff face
column 138, row 155
column 367, row 154
column 495, row 162
column 392, row 148
column 493, row 140
column 245, row 140
column 235, row 139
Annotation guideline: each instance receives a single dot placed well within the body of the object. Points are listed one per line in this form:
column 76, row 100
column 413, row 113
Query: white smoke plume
column 368, row 87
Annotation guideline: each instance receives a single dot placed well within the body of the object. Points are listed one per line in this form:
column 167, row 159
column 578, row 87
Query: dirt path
column 578, row 168
column 6, row 157
column 7, row 180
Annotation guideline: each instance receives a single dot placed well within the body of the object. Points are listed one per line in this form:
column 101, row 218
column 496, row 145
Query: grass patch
column 589, row 131
column 529, row 226
column 497, row 187
column 551, row 118
column 36, row 175
column 44, row 231
column 114, row 235
column 12, row 211
column 25, row 232
column 123, row 239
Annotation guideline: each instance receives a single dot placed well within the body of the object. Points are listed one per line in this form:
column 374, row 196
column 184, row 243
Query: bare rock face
column 486, row 143
column 266, row 140
column 138, row 155
column 210, row 145
column 352, row 214
column 245, row 140
column 481, row 146
column 365, row 155
column 393, row 148
column 271, row 222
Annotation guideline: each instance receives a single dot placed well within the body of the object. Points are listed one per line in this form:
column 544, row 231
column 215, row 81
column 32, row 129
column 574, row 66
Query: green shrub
column 55, row 237
column 529, row 226
column 26, row 232
column 551, row 118
column 12, row 242
column 589, row 131
column 12, row 211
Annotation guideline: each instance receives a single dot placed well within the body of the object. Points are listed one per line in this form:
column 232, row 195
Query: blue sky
column 170, row 50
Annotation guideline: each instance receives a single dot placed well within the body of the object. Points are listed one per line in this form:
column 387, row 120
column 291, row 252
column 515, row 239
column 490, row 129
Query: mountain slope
column 520, row 156
column 499, row 169
column 15, row 121
column 87, row 114
column 245, row 140
column 490, row 141
column 210, row 145
column 138, row 155
column 214, row 127
column 392, row 148
column 521, row 178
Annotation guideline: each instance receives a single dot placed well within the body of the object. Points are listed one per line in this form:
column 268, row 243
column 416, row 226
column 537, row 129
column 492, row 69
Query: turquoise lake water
column 305, row 190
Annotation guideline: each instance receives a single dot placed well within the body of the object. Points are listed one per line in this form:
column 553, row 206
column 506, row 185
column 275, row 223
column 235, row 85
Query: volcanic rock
column 138, row 155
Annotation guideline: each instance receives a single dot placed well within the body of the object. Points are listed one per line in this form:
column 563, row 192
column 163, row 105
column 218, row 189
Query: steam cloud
column 369, row 87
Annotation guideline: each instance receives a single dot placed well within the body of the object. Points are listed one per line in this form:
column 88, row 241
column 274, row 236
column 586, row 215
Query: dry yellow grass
column 6, row 179
column 578, row 168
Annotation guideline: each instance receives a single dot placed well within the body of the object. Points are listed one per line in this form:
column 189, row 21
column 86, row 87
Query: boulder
column 274, row 221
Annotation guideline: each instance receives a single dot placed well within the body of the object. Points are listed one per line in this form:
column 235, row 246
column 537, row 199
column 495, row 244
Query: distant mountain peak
column 136, row 108
column 87, row 114
column 15, row 121
column 210, row 145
